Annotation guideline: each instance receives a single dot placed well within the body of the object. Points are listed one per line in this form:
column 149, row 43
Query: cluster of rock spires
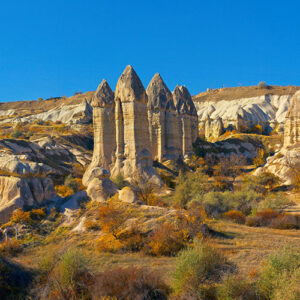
column 134, row 126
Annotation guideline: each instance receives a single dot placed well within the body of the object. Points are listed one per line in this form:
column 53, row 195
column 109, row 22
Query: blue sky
column 54, row 48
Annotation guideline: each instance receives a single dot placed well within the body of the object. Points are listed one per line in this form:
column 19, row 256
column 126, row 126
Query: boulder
column 128, row 195
column 99, row 186
column 17, row 192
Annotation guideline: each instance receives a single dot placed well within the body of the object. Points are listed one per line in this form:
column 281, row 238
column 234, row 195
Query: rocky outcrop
column 292, row 122
column 17, row 192
column 148, row 125
column 163, row 121
column 213, row 128
column 72, row 114
column 269, row 111
column 285, row 163
column 104, row 130
column 100, row 187
column 133, row 150
column 188, row 119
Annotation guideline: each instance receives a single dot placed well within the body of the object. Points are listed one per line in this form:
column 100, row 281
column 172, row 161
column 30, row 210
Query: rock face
column 133, row 151
column 292, row 123
column 104, row 129
column 147, row 125
column 16, row 192
column 188, row 119
column 267, row 111
column 213, row 128
column 163, row 121
column 100, row 187
column 287, row 159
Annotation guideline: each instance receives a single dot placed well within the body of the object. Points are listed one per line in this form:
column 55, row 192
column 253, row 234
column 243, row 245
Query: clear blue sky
column 53, row 48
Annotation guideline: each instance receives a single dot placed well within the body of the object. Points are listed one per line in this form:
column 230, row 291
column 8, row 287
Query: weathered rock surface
column 284, row 162
column 188, row 128
column 16, row 192
column 72, row 114
column 163, row 121
column 267, row 111
column 100, row 187
column 133, row 149
column 213, row 128
column 128, row 195
column 104, row 130
column 292, row 122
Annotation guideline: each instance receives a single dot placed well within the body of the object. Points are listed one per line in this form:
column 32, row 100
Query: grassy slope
column 245, row 246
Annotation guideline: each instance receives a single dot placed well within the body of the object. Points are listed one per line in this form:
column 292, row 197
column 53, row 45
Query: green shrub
column 216, row 203
column 280, row 271
column 234, row 287
column 273, row 201
column 194, row 268
column 16, row 134
column 67, row 276
column 191, row 186
column 288, row 286
column 119, row 181
column 262, row 85
column 71, row 183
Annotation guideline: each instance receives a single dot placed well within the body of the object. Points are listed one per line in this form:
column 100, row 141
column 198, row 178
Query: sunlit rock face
column 292, row 122
column 133, row 127
column 19, row 192
column 133, row 149
column 188, row 119
column 163, row 121
column 104, row 130
column 213, row 128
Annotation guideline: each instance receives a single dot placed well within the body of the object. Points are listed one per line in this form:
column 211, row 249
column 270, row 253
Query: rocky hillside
column 242, row 108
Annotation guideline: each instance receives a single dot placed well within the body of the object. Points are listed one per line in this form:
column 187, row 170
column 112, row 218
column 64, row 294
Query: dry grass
column 243, row 92
column 245, row 246
column 34, row 106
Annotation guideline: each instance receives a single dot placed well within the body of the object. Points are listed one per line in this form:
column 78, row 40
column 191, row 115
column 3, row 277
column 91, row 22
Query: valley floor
column 246, row 247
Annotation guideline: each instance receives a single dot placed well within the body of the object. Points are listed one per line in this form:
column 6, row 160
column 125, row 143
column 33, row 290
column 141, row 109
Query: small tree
column 262, row 85
column 268, row 180
column 259, row 159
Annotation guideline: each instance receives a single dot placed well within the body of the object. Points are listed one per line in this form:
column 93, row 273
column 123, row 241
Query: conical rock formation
column 133, row 151
column 188, row 118
column 104, row 130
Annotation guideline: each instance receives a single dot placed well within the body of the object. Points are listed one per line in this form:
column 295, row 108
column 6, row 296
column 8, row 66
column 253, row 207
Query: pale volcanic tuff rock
column 104, row 129
column 133, row 150
column 287, row 158
column 266, row 110
column 163, row 121
column 100, row 187
column 213, row 128
column 188, row 119
column 16, row 192
column 292, row 122
column 148, row 125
